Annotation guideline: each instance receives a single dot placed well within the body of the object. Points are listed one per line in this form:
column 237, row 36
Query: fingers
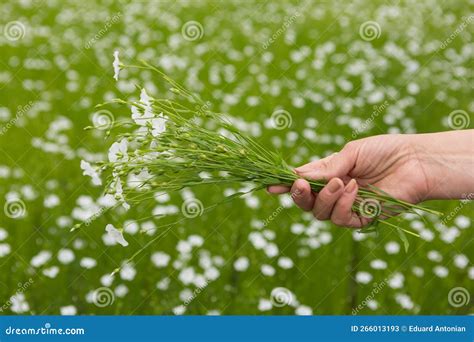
column 333, row 202
column 278, row 189
column 336, row 165
column 342, row 214
column 327, row 198
column 302, row 194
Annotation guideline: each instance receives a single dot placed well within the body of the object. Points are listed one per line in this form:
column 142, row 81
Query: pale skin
column 410, row 167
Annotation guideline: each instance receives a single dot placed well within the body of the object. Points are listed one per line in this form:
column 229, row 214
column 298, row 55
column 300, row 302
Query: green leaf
column 404, row 238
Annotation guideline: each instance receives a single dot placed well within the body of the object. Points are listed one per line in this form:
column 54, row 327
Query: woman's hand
column 412, row 168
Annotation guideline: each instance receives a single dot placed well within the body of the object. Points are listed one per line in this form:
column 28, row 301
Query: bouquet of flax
column 178, row 142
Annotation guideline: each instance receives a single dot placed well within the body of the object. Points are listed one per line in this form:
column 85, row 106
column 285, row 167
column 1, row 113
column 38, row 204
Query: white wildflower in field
column 372, row 304
column 41, row 258
column 418, row 271
column 378, row 264
column 88, row 262
column 52, row 201
column 470, row 273
column 144, row 116
column 5, row 249
column 363, row 277
column 267, row 270
column 264, row 304
column 187, row 275
column 303, row 310
column 163, row 284
column 118, row 151
column 179, row 310
column 462, row 221
column 3, row 234
column 51, row 272
column 160, row 259
column 396, row 281
column 461, row 261
column 158, row 125
column 211, row 273
column 91, row 172
column 405, row 301
column 241, row 264
column 69, row 310
column 441, row 271
column 107, row 280
column 116, row 65
column 121, row 291
column 19, row 304
column 115, row 235
column 435, row 256
column 65, row 256
column 392, row 247
column 285, row 262
column 128, row 272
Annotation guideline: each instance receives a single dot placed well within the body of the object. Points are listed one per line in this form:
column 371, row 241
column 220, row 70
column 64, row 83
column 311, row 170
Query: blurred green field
column 249, row 59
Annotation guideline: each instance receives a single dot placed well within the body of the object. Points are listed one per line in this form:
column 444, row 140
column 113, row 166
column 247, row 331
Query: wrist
column 447, row 161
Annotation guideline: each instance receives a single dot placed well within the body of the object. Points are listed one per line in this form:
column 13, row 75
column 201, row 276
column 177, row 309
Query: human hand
column 408, row 167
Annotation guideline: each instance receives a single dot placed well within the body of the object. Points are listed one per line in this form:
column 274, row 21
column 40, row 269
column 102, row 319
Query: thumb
column 336, row 165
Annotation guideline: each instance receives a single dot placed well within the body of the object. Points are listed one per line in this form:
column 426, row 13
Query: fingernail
column 350, row 187
column 334, row 186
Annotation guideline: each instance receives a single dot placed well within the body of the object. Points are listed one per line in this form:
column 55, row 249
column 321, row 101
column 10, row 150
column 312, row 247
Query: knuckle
column 350, row 147
column 319, row 215
column 338, row 221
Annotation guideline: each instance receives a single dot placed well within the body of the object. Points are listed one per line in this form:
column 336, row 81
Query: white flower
column 128, row 272
column 160, row 259
column 88, row 263
column 66, row 256
column 118, row 151
column 241, row 264
column 116, row 65
column 91, row 172
column 363, row 277
column 41, row 258
column 137, row 116
column 69, row 310
column 116, row 235
column 158, row 125
column 303, row 310
column 285, row 263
